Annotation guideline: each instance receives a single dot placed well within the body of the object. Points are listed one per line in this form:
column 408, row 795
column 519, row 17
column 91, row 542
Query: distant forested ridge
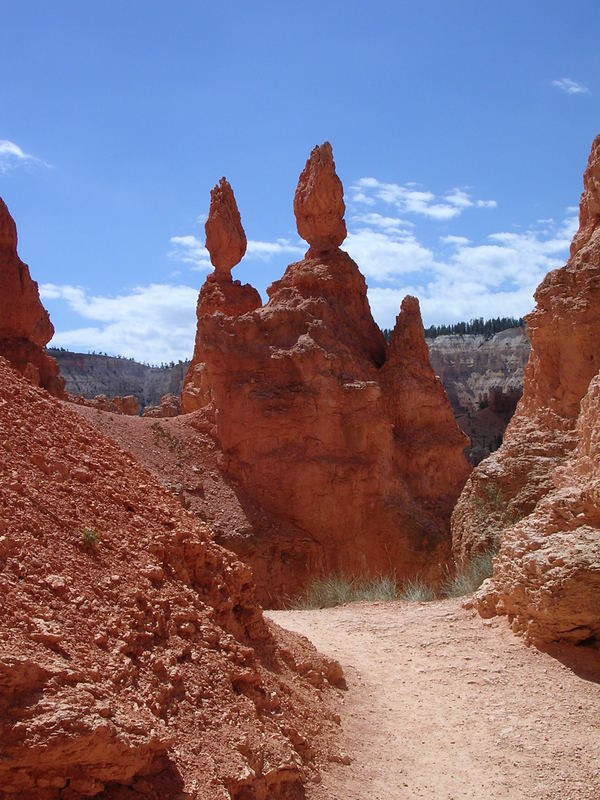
column 486, row 327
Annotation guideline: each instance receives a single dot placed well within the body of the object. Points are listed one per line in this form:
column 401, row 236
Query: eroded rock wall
column 25, row 326
column 535, row 497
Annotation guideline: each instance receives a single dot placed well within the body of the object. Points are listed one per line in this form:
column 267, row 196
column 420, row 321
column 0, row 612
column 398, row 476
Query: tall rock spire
column 319, row 202
column 225, row 237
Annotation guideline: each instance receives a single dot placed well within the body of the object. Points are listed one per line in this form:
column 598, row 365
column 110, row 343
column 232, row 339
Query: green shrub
column 89, row 537
column 417, row 591
column 470, row 577
column 336, row 590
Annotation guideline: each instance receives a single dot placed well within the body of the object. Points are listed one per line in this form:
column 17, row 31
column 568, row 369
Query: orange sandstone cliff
column 347, row 444
column 134, row 661
column 25, row 326
column 538, row 497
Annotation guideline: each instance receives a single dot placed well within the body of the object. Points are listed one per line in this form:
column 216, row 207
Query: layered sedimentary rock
column 348, row 445
column 134, row 660
column 25, row 326
column 89, row 375
column 536, row 496
column 484, row 381
column 475, row 369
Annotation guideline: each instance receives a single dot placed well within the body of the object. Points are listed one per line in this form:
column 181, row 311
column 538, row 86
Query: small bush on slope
column 470, row 578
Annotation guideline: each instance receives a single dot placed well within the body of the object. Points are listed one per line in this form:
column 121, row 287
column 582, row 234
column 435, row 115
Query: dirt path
column 445, row 706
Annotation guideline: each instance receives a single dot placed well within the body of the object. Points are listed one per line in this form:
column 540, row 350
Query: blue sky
column 460, row 131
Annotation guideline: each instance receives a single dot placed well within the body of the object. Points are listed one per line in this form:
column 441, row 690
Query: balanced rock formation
column 226, row 244
column 316, row 418
column 319, row 203
column 536, row 497
column 134, row 660
column 25, row 326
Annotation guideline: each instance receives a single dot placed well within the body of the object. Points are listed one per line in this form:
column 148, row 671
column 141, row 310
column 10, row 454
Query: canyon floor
column 445, row 706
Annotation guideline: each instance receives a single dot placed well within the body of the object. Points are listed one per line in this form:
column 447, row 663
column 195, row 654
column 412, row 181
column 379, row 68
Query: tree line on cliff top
column 486, row 327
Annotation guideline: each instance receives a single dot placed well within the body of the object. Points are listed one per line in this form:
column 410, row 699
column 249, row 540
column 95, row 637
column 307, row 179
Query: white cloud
column 409, row 199
column 190, row 250
column 384, row 256
column 464, row 280
column 153, row 323
column 11, row 156
column 570, row 87
column 266, row 250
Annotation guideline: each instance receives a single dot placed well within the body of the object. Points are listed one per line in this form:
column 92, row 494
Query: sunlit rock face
column 25, row 326
column 536, row 497
column 347, row 445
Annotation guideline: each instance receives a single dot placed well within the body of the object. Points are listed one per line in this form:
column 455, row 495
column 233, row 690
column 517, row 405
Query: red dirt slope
column 140, row 660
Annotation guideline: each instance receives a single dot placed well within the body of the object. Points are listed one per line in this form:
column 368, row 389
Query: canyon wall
column 25, row 326
column 90, row 375
column 348, row 444
column 536, row 498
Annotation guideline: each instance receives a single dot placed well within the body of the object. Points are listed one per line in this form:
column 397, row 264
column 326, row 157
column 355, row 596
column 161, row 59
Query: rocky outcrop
column 315, row 414
column 535, row 497
column 25, row 326
column 170, row 406
column 117, row 405
column 134, row 660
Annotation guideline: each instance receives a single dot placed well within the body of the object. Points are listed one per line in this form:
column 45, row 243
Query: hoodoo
column 25, row 326
column 538, row 497
column 315, row 414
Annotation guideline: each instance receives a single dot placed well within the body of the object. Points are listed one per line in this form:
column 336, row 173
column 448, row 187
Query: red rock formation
column 564, row 330
column 226, row 243
column 319, row 203
column 535, row 497
column 315, row 415
column 25, row 326
column 128, row 405
column 170, row 406
column 225, row 237
column 133, row 657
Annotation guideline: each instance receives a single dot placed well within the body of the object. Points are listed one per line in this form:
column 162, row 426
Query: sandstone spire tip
column 319, row 202
column 225, row 237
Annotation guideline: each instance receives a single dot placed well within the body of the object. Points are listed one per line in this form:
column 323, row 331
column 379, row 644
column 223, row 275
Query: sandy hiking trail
column 446, row 706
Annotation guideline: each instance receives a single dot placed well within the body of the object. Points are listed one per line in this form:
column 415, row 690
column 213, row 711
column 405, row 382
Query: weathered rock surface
column 532, row 496
column 25, row 326
column 117, row 405
column 319, row 203
column 134, row 660
column 547, row 574
column 170, row 406
column 476, row 370
column 225, row 237
column 316, row 415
